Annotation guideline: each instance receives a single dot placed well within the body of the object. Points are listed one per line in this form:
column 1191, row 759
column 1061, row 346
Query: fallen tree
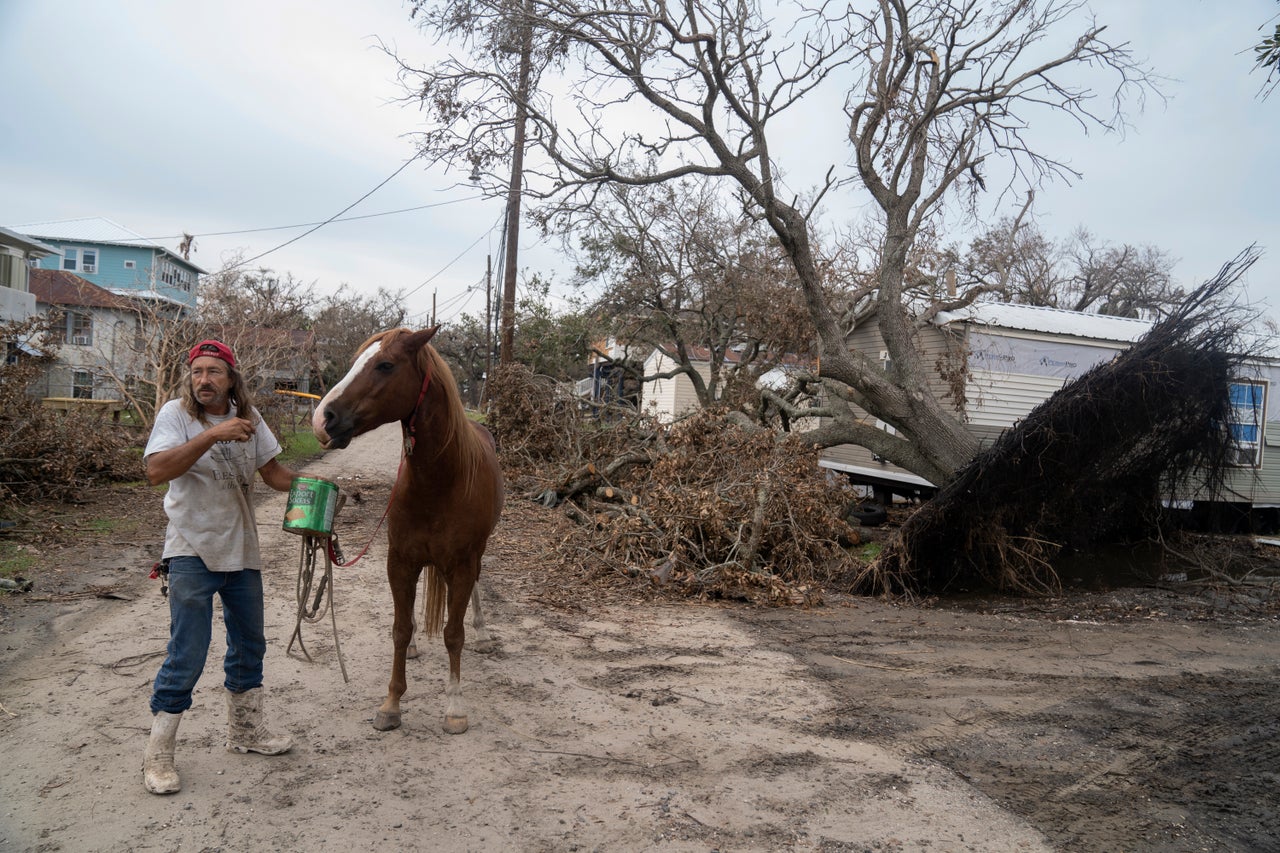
column 1093, row 461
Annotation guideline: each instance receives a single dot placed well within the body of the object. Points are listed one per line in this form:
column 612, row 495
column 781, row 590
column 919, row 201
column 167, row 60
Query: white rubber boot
column 246, row 731
column 158, row 772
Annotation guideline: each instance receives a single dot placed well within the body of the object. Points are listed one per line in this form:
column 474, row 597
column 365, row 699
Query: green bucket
column 312, row 503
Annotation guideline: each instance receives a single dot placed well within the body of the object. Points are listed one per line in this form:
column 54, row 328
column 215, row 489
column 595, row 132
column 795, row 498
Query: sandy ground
column 857, row 727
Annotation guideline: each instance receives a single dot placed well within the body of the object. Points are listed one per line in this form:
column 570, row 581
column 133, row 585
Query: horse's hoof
column 384, row 722
column 455, row 725
column 484, row 647
column 411, row 653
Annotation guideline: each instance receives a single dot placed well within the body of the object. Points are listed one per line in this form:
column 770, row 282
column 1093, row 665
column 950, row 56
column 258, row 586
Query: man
column 206, row 446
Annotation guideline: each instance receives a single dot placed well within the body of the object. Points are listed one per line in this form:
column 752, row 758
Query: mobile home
column 1016, row 356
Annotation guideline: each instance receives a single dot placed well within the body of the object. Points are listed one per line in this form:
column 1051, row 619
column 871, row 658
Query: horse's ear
column 417, row 340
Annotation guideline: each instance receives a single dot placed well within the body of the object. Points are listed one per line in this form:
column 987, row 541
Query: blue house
column 116, row 259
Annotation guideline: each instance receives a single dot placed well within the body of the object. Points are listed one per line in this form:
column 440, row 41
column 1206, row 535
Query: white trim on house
column 905, row 477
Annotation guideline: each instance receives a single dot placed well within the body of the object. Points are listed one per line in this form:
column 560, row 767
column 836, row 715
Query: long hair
column 458, row 430
column 239, row 395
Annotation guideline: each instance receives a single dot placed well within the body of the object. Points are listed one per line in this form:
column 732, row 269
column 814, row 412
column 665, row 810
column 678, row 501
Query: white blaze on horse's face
column 317, row 420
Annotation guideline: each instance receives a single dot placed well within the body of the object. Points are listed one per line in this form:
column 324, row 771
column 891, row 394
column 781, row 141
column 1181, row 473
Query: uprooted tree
column 1094, row 460
column 936, row 97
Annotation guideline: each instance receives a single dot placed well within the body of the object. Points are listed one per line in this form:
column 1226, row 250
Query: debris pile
column 703, row 507
column 45, row 453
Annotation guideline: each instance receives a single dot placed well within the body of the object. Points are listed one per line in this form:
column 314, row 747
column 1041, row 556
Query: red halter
column 413, row 416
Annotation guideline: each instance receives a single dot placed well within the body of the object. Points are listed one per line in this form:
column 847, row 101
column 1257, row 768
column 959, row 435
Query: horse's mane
column 457, row 426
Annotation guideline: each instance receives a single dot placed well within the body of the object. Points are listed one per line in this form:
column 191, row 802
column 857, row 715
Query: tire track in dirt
column 1143, row 736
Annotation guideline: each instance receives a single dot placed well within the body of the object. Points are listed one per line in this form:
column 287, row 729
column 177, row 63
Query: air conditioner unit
column 90, row 268
column 80, row 340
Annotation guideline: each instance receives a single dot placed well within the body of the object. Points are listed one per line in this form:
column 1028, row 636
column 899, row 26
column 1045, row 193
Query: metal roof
column 97, row 229
column 1054, row 321
column 27, row 244
column 91, row 230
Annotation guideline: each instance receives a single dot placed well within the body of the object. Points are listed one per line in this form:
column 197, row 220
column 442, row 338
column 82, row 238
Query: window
column 79, row 329
column 175, row 276
column 1246, row 424
column 82, row 385
column 80, row 260
column 131, row 265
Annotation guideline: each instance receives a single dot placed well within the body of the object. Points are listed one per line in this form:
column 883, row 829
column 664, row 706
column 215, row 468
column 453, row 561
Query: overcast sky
column 234, row 116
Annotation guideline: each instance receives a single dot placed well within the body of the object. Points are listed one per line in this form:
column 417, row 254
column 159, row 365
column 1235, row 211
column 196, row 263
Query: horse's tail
column 433, row 602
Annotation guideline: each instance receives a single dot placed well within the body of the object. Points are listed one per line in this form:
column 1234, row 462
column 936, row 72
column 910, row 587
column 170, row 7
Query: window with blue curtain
column 1245, row 425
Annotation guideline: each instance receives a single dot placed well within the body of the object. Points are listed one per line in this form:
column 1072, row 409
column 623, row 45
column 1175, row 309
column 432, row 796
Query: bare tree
column 1017, row 262
column 680, row 270
column 261, row 297
column 346, row 319
column 936, row 93
column 281, row 331
column 152, row 372
column 1014, row 261
column 1123, row 281
column 157, row 367
column 464, row 343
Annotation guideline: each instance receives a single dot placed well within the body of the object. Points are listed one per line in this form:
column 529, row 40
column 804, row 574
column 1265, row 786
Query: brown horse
column 446, row 501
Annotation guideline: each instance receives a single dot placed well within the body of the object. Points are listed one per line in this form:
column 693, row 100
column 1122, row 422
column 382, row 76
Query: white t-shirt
column 210, row 507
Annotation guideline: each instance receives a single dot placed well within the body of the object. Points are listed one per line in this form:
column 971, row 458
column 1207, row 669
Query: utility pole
column 433, row 307
column 514, row 188
column 488, row 320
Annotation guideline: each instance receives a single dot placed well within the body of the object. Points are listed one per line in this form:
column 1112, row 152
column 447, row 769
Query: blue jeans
column 191, row 591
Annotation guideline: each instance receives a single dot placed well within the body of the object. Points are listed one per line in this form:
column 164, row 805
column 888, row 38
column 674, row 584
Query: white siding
column 669, row 399
column 1002, row 399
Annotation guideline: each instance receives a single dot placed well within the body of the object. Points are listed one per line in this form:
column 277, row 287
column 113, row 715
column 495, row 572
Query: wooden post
column 514, row 187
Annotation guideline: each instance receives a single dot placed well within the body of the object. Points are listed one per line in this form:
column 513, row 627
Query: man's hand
column 168, row 464
column 232, row 429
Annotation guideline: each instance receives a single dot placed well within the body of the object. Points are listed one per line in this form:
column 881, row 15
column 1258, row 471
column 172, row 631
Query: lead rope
column 320, row 602
column 333, row 551
column 312, row 606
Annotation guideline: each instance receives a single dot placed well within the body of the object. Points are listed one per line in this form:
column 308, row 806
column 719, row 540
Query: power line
column 457, row 258
column 308, row 224
column 317, row 227
column 455, row 305
column 336, row 218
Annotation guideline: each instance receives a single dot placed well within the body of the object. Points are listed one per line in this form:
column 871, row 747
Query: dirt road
column 858, row 727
